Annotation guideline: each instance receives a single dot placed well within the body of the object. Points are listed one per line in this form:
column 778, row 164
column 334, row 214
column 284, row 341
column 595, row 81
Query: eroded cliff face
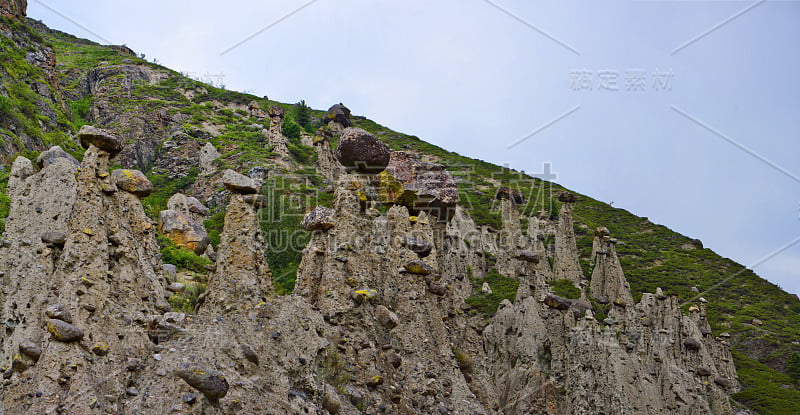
column 379, row 321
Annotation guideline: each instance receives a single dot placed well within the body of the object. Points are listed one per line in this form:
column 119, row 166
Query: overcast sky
column 686, row 112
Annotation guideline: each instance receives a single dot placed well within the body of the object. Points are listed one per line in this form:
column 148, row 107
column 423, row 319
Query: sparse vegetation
column 502, row 288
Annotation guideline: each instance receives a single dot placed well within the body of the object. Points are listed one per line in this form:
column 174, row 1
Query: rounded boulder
column 362, row 152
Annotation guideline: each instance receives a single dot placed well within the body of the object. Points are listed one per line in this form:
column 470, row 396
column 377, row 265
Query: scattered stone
column 361, row 151
column 55, row 238
column 701, row 371
column 386, row 317
column 176, row 287
column 757, row 322
column 375, row 381
column 210, row 383
column 529, row 256
column 419, row 246
column 418, row 267
column 609, row 321
column 132, row 181
column 170, row 270
column 486, row 289
column 102, row 139
column 567, row 197
column 364, row 295
column 559, row 303
column 249, row 354
column 58, row 312
column 100, row 348
column 239, row 183
column 318, row 219
column 63, row 331
column 331, row 402
column 437, row 289
column 723, row 382
column 660, row 294
column 256, row 201
column 694, row 289
column 507, row 193
column 132, row 391
column 189, row 398
column 30, row 349
column 50, row 156
column 692, row 344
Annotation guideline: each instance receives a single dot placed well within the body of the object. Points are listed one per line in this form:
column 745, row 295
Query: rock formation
column 362, row 152
column 338, row 117
column 14, row 8
column 566, row 265
column 275, row 136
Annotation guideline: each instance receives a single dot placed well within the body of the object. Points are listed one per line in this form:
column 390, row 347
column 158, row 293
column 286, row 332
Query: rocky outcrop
column 242, row 279
column 177, row 156
column 338, row 117
column 362, row 152
column 14, row 8
column 109, row 253
column 608, row 281
column 206, row 159
column 183, row 230
column 566, row 265
column 418, row 185
column 275, row 137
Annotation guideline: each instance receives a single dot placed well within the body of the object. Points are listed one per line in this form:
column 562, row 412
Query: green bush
column 502, row 288
column 180, row 257
column 290, row 129
column 565, row 288
column 186, row 302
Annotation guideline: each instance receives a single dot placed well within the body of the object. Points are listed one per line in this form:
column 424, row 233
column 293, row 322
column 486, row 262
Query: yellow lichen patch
column 100, row 348
column 88, row 231
column 87, row 282
column 413, row 219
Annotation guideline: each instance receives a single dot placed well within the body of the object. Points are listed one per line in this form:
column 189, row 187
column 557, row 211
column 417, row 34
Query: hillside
column 166, row 120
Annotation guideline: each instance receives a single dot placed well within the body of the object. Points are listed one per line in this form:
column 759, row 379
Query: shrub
column 502, row 288
column 565, row 288
column 180, row 257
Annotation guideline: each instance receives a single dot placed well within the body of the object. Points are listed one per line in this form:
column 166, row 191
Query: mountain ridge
column 652, row 255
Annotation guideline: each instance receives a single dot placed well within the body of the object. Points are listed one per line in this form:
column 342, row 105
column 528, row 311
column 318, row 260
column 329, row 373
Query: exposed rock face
column 327, row 164
column 206, row 160
column 319, row 219
column 362, row 152
column 608, row 280
column 14, row 8
column 420, row 186
column 242, row 279
column 566, row 265
column 110, row 251
column 275, row 133
column 178, row 155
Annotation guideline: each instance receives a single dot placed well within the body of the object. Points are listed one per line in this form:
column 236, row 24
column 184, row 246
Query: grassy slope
column 652, row 255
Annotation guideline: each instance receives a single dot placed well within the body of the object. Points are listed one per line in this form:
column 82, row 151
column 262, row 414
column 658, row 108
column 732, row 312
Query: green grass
column 651, row 255
column 565, row 288
column 503, row 288
column 180, row 257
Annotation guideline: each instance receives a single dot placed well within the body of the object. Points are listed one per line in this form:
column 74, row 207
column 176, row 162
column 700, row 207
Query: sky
column 686, row 112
